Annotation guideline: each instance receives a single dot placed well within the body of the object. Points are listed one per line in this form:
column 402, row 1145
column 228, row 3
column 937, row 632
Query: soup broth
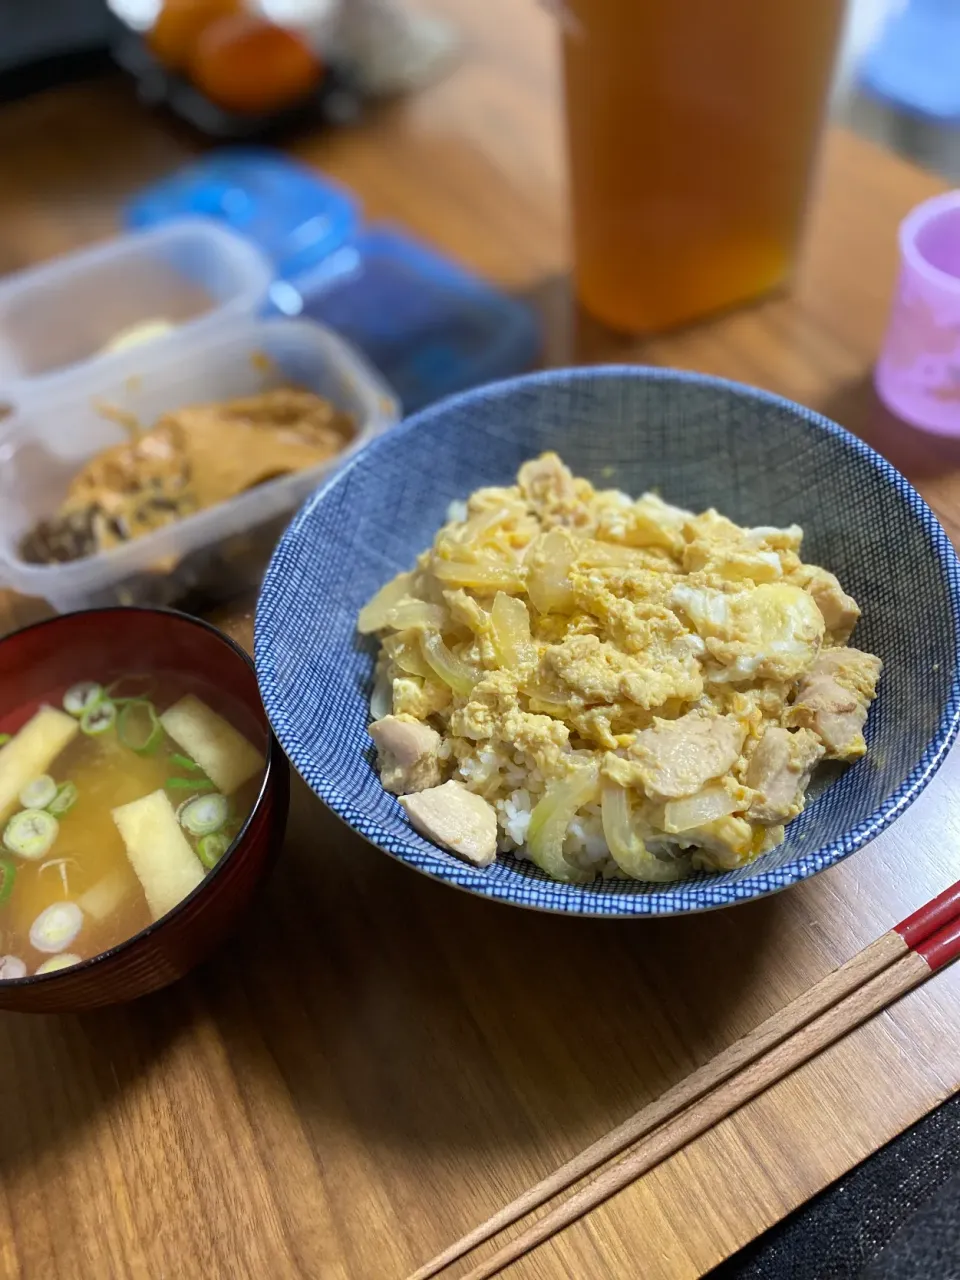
column 141, row 786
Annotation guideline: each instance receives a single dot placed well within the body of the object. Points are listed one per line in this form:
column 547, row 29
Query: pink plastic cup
column 918, row 373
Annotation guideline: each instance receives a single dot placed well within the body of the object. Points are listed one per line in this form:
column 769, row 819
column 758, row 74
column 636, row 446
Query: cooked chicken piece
column 779, row 770
column 833, row 700
column 406, row 754
column 546, row 480
column 458, row 820
column 552, row 491
column 840, row 611
column 677, row 757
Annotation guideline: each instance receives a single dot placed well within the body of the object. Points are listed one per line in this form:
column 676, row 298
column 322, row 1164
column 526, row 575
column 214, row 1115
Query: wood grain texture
column 699, row 1087
column 380, row 1064
column 880, row 991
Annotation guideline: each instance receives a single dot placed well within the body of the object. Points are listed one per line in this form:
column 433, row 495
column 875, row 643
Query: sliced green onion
column 56, row 927
column 98, row 718
column 5, row 738
column 65, row 961
column 212, row 848
column 82, row 697
column 139, row 727
column 8, row 873
column 185, row 762
column 38, row 793
column 204, row 815
column 64, row 800
column 190, row 784
column 31, row 833
column 130, row 688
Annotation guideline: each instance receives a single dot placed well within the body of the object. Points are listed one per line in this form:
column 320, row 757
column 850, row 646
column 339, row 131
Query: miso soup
column 118, row 796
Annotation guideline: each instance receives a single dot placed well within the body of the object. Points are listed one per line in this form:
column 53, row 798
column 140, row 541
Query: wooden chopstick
column 876, row 974
column 909, row 971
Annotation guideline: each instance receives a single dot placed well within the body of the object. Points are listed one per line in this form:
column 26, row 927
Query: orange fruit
column 178, row 27
column 250, row 66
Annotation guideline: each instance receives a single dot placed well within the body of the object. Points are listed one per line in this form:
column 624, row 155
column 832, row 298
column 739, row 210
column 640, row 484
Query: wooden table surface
column 375, row 1063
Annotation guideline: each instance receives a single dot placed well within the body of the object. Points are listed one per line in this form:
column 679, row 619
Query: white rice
column 480, row 770
column 513, row 814
column 585, row 845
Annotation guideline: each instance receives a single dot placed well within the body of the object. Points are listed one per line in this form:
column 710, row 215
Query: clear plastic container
column 206, row 557
column 61, row 315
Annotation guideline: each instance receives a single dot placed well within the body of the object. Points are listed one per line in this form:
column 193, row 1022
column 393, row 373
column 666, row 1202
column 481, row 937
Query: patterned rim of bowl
column 529, row 886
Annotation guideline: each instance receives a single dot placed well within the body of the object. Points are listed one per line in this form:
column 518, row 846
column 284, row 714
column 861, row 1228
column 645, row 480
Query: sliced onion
column 453, row 671
column 373, row 615
column 553, row 814
column 696, row 810
column 106, row 896
column 416, row 613
column 381, row 699
column 474, row 529
column 511, row 632
column 627, row 849
column 404, row 652
column 548, row 565
column 482, row 574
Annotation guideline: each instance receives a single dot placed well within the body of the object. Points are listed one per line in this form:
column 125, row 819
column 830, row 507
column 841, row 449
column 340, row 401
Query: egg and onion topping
column 610, row 686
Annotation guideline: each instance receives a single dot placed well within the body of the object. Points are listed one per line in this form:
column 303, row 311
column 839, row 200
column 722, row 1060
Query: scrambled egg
column 631, row 689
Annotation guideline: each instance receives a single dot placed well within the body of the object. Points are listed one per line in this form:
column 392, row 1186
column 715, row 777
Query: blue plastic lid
column 429, row 326
column 297, row 217
column 915, row 63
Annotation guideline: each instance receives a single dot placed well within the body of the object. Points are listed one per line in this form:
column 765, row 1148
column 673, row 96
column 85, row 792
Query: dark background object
column 49, row 42
column 336, row 100
column 894, row 1217
column 44, row 43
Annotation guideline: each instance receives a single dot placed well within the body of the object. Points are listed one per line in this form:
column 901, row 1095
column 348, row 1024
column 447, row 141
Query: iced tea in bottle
column 692, row 127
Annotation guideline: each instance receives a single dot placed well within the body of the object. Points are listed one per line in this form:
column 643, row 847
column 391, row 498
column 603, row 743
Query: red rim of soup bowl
column 50, row 654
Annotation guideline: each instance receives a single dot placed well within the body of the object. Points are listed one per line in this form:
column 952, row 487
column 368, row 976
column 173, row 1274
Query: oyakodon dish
column 608, row 686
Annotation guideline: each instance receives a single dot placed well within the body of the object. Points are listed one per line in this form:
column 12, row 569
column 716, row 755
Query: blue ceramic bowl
column 702, row 442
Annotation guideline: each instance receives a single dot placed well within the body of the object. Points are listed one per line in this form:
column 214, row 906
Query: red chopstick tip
column 942, row 947
column 931, row 917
